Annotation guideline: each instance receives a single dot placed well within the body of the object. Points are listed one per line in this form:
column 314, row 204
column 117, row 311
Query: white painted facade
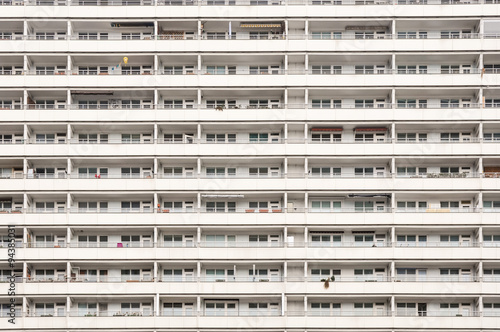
column 206, row 165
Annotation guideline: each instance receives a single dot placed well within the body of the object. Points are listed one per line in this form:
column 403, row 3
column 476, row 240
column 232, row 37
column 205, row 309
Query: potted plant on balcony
column 326, row 281
column 249, row 210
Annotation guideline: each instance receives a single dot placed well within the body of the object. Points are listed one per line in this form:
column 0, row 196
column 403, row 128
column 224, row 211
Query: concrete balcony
column 344, row 148
column 297, row 79
column 297, row 43
column 290, row 288
column 346, row 321
column 340, row 253
column 228, row 219
column 281, row 183
column 295, row 9
column 291, row 112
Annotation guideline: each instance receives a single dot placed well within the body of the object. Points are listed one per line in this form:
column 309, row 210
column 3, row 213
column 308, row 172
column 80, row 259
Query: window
column 221, row 138
column 255, row 70
column 173, row 103
column 412, row 103
column 258, row 205
column 449, row 274
column 492, row 68
column 363, row 240
column 326, row 137
column 221, row 308
column 453, row 206
column 92, row 172
column 326, row 206
column 450, row 103
column 133, row 275
column 131, row 206
column 220, row 206
column 406, row 309
column 363, row 308
column 363, row 172
column 411, row 206
column 136, row 309
column 263, row 240
column 131, row 35
column 180, row 206
column 491, row 240
column 363, row 103
column 491, row 309
column 221, row 104
column 491, row 275
column 369, row 275
column 173, row 171
column 87, row 309
column 94, row 104
column 369, row 137
column 412, row 137
column 326, row 69
column 220, row 171
column 455, row 309
column 263, row 309
column 178, row 240
column 258, row 137
column 178, row 275
column 326, row 35
column 128, row 70
column 455, row 137
column 216, row 35
column 92, row 138
column 86, row 70
column 173, row 70
column 262, row 103
column 92, row 206
column 326, row 240
column 178, row 138
column 322, row 274
column 136, row 104
column 326, row 171
column 92, row 241
column 219, row 275
column 44, row 309
column 488, row 137
column 364, row 69
column 130, row 172
column 490, row 102
column 450, row 34
column 321, row 103
column 364, row 35
column 258, row 171
column 5, row 205
column 178, row 309
column 216, row 70
column 454, row 240
column 44, row 206
column 407, row 34
column 412, row 69
column 411, row 171
column 220, row 240
column 48, row 35
column 450, row 69
column 258, row 274
column 131, row 138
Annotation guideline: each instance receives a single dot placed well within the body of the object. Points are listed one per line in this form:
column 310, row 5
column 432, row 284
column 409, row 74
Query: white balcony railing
column 240, row 2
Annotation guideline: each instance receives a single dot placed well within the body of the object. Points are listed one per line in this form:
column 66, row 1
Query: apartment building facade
column 252, row 165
